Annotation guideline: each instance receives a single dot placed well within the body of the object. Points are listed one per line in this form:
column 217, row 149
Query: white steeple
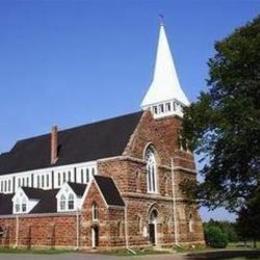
column 165, row 95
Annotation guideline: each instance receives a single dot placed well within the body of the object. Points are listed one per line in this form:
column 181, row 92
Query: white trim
column 66, row 194
column 30, row 203
column 42, row 173
column 51, row 168
column 93, row 237
column 101, row 193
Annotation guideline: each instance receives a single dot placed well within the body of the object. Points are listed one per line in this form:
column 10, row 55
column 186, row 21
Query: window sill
column 153, row 192
column 66, row 210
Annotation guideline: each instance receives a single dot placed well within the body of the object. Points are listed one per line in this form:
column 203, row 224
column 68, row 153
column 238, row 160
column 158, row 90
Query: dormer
column 165, row 96
column 25, row 199
column 69, row 197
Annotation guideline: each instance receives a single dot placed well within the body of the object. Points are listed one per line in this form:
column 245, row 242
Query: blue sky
column 73, row 62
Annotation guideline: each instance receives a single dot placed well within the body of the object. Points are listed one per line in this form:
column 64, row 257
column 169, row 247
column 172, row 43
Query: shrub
column 215, row 237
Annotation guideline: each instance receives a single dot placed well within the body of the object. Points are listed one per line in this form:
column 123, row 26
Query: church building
column 111, row 184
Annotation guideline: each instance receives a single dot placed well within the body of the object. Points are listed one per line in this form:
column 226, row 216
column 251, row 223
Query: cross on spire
column 165, row 91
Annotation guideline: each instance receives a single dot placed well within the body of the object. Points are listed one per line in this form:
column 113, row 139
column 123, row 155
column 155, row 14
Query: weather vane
column 161, row 17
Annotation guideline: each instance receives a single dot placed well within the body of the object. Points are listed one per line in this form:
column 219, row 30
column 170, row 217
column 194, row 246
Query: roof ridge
column 76, row 127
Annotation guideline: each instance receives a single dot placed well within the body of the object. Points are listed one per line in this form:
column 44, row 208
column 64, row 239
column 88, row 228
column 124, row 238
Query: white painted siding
column 48, row 178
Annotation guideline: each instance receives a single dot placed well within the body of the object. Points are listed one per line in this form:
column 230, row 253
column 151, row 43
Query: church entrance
column 153, row 227
column 95, row 236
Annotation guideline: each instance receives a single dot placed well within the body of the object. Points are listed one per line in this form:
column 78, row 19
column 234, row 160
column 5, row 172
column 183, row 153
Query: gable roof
column 78, row 188
column 33, row 193
column 47, row 203
column 89, row 142
column 6, row 204
column 109, row 191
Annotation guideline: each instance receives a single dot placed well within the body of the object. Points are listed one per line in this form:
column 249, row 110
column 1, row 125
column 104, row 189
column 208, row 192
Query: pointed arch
column 191, row 223
column 62, row 202
column 94, row 209
column 151, row 169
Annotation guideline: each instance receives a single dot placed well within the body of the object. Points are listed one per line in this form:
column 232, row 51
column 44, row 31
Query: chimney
column 54, row 144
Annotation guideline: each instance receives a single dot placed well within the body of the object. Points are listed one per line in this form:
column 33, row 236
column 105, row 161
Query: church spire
column 165, row 95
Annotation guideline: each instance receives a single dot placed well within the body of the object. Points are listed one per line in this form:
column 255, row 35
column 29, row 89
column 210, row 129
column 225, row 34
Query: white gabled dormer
column 69, row 197
column 23, row 204
column 165, row 96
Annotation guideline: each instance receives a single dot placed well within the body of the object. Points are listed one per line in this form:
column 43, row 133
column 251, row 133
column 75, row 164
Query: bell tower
column 165, row 96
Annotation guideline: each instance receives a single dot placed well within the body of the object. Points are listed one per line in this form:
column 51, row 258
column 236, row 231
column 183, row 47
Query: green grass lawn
column 138, row 252
column 249, row 244
column 32, row 251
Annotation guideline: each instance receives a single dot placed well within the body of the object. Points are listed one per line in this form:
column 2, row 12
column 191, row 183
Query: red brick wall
column 50, row 231
column 129, row 173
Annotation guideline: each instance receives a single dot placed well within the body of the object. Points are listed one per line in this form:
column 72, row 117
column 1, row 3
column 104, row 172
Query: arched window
column 151, row 169
column 17, row 205
column 62, row 202
column 94, row 211
column 191, row 229
column 24, row 206
column 71, row 201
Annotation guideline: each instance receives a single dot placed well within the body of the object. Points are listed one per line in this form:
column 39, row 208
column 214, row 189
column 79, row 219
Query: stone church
column 105, row 185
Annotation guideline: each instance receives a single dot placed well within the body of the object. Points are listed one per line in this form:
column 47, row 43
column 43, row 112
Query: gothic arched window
column 17, row 205
column 191, row 223
column 94, row 211
column 71, row 201
column 62, row 202
column 24, row 205
column 151, row 169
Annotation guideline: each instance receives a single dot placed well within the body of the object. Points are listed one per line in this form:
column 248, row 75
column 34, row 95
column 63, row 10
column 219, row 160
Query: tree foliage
column 229, row 228
column 248, row 222
column 223, row 126
column 215, row 237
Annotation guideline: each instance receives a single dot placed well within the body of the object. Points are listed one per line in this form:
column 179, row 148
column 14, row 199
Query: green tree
column 229, row 228
column 223, row 126
column 248, row 222
column 215, row 237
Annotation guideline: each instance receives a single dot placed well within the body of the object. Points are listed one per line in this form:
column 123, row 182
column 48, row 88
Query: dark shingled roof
column 47, row 198
column 34, row 193
column 81, row 144
column 78, row 188
column 109, row 191
column 47, row 203
column 6, row 204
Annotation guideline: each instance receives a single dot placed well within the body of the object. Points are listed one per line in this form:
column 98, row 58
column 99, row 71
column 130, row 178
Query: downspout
column 126, row 232
column 77, row 229
column 174, row 204
column 17, row 232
